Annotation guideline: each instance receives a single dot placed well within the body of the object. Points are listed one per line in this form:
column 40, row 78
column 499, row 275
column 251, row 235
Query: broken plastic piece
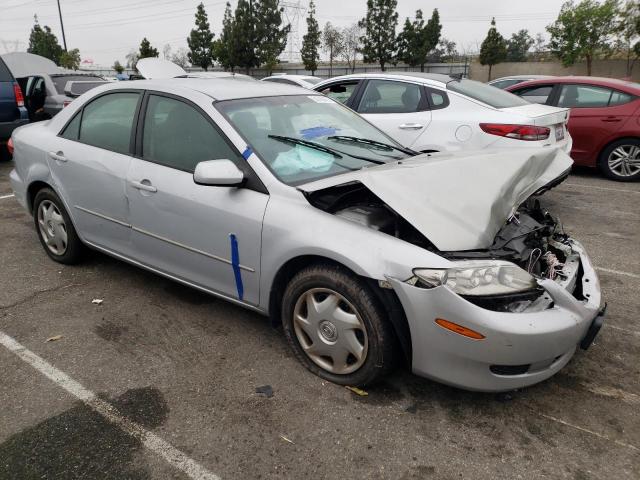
column 97, row 301
column 53, row 339
column 287, row 440
column 358, row 391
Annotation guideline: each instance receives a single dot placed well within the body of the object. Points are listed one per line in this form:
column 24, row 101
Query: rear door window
column 385, row 96
column 538, row 94
column 108, row 120
column 5, row 73
column 584, row 96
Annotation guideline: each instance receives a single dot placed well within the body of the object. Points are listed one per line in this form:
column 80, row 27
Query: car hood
column 459, row 200
column 24, row 64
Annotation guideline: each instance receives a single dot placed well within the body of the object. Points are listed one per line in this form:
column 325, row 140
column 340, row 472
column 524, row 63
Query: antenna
column 293, row 12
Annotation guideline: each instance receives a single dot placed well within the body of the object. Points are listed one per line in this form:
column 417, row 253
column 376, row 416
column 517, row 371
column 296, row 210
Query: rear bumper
column 7, row 128
column 19, row 188
column 524, row 348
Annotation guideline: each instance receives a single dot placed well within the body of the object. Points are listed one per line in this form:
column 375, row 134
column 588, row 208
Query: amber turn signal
column 459, row 329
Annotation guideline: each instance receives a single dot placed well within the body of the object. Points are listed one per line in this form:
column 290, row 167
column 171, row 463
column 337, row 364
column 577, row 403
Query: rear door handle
column 411, row 126
column 144, row 185
column 58, row 156
column 611, row 119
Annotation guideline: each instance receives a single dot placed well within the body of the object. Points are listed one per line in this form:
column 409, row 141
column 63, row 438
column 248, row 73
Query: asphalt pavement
column 175, row 373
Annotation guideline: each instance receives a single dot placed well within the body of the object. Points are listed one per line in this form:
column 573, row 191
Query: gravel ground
column 185, row 366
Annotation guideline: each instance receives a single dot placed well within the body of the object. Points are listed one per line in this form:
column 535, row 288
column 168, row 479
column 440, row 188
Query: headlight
column 478, row 277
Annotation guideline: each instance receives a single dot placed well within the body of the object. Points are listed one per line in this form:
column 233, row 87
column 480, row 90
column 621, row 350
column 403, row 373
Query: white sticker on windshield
column 320, row 99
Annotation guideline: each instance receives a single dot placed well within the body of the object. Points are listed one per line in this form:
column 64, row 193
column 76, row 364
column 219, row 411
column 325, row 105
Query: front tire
column 621, row 160
column 55, row 230
column 336, row 327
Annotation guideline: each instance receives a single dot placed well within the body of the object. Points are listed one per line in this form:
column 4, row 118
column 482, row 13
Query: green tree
column 146, row 50
column 311, row 41
column 70, row 60
column 270, row 34
column 117, row 66
column 181, row 57
column 445, row 51
column 224, row 46
column 332, row 43
column 44, row 43
column 379, row 25
column 583, row 31
column 518, row 46
column 629, row 28
column 408, row 39
column 430, row 37
column 493, row 49
column 243, row 38
column 200, row 41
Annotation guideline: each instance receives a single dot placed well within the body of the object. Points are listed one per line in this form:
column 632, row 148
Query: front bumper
column 542, row 338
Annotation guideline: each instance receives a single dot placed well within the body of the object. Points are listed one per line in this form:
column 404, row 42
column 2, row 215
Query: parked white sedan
column 306, row 81
column 435, row 112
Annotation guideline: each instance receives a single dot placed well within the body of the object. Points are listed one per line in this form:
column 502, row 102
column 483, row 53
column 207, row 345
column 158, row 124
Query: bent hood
column 459, row 200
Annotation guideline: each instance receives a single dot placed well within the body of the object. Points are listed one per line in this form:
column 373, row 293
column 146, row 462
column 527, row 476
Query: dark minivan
column 12, row 110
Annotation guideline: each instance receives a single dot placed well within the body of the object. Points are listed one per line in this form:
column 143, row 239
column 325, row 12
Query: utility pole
column 64, row 40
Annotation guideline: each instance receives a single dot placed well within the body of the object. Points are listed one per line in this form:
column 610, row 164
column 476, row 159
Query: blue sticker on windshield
column 315, row 132
column 247, row 152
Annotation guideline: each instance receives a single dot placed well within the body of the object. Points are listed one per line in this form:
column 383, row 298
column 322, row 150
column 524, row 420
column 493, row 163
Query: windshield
column 294, row 136
column 60, row 81
column 484, row 93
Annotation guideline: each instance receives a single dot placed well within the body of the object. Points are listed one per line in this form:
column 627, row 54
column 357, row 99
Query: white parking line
column 625, row 330
column 622, row 190
column 586, row 430
column 150, row 440
column 618, row 272
column 7, row 196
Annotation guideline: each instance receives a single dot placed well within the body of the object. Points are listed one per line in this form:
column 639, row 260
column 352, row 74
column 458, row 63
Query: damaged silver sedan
column 288, row 203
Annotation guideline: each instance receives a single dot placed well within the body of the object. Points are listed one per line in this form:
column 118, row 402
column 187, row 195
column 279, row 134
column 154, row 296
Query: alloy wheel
column 52, row 227
column 330, row 331
column 624, row 161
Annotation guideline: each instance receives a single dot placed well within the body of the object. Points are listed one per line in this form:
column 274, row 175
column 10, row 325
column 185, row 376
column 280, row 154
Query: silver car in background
column 288, row 203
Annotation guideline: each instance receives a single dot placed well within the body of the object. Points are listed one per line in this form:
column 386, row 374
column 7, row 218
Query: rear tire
column 55, row 229
column 336, row 327
column 620, row 161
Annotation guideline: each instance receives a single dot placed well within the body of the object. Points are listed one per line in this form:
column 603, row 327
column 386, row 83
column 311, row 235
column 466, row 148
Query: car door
column 398, row 108
column 192, row 232
column 596, row 114
column 89, row 161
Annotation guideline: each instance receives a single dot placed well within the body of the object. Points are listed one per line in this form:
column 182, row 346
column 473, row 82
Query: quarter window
column 536, row 94
column 72, row 129
column 108, row 120
column 178, row 136
column 383, row 96
column 340, row 92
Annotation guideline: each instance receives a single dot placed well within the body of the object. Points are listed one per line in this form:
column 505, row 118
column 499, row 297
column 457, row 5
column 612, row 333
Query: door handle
column 147, row 187
column 611, row 119
column 58, row 156
column 411, row 126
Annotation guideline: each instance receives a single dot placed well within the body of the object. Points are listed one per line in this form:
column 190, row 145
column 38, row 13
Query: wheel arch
column 387, row 298
column 33, row 189
column 604, row 147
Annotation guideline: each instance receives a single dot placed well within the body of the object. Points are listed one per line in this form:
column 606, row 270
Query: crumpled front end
column 522, row 338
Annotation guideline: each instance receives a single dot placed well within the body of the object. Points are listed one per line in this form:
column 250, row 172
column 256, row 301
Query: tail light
column 518, row 132
column 10, row 146
column 17, row 92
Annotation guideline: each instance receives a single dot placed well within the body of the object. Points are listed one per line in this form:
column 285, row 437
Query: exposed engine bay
column 531, row 238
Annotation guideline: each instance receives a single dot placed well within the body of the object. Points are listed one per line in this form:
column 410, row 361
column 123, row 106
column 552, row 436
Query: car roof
column 624, row 85
column 223, row 88
column 520, row 77
column 432, row 78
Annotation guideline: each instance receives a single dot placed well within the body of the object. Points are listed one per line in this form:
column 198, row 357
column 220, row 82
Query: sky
column 106, row 30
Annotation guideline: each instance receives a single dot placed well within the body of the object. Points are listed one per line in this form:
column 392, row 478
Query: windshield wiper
column 373, row 143
column 322, row 148
column 306, row 143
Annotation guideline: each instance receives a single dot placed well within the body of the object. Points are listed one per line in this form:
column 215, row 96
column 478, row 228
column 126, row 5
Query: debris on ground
column 53, row 339
column 357, row 391
column 97, row 301
column 265, row 390
column 413, row 408
column 287, row 440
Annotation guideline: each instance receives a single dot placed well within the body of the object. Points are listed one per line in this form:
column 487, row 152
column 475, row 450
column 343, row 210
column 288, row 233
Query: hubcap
column 330, row 331
column 52, row 227
column 625, row 160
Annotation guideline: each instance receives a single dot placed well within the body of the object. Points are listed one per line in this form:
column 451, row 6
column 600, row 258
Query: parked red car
column 604, row 121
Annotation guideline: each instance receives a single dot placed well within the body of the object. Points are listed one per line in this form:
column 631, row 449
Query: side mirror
column 219, row 173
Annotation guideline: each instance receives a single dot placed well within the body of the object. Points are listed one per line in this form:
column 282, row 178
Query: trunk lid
column 459, row 200
column 541, row 115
